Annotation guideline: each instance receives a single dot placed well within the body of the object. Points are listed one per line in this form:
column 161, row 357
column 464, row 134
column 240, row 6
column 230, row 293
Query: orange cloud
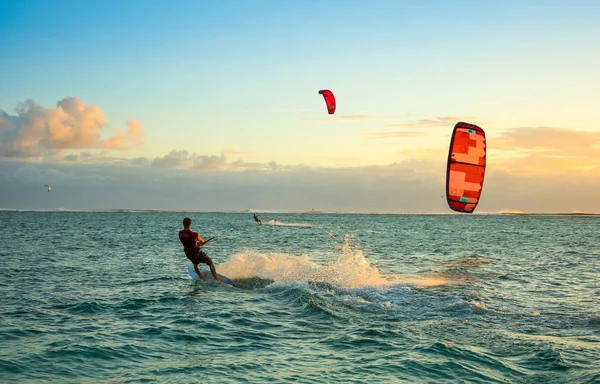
column 528, row 151
column 436, row 122
column 390, row 135
column 549, row 150
column 556, row 139
column 124, row 141
column 36, row 131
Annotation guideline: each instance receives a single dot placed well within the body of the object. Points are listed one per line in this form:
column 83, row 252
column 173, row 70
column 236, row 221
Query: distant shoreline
column 549, row 214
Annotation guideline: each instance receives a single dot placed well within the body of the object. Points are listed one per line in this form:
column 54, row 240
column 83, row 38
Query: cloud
column 124, row 140
column 527, row 150
column 36, row 131
column 182, row 159
column 406, row 186
column 556, row 139
column 437, row 122
column 72, row 157
column 439, row 153
column 92, row 186
column 175, row 159
column 82, row 156
column 548, row 150
column 215, row 163
column 34, row 173
column 140, row 161
column 345, row 118
column 391, row 135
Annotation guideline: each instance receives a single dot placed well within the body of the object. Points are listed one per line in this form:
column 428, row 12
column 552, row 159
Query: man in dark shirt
column 191, row 246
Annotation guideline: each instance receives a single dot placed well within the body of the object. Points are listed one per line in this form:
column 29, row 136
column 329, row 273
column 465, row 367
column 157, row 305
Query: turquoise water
column 106, row 297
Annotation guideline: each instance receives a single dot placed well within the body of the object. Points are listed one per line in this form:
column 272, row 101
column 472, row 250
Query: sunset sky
column 214, row 105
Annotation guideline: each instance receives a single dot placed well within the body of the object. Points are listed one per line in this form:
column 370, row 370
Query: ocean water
column 89, row 297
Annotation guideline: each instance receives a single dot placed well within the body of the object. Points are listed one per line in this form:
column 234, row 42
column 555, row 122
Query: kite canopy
column 466, row 167
column 49, row 188
column 329, row 100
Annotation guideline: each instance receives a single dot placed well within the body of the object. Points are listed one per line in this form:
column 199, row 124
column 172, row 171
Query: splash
column 478, row 306
column 280, row 224
column 426, row 282
column 351, row 269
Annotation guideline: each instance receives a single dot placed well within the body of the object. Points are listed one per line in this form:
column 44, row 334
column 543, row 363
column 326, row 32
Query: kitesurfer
column 257, row 219
column 192, row 242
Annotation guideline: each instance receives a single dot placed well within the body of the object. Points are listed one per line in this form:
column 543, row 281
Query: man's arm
column 200, row 241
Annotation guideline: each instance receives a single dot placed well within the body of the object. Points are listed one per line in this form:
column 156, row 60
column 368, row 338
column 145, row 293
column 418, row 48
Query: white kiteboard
column 208, row 276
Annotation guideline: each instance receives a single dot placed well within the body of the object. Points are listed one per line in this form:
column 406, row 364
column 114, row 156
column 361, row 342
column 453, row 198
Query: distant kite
column 49, row 188
column 466, row 167
column 329, row 100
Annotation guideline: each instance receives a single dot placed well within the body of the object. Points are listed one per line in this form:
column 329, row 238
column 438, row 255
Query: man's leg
column 208, row 261
column 211, row 265
column 198, row 271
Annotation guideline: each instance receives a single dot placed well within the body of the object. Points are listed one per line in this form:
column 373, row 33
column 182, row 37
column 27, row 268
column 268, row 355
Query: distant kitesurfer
column 192, row 242
column 257, row 219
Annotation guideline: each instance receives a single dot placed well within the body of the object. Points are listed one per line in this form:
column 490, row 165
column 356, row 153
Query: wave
column 280, row 224
column 351, row 269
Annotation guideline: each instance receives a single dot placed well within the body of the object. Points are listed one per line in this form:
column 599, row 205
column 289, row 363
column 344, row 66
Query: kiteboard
column 208, row 276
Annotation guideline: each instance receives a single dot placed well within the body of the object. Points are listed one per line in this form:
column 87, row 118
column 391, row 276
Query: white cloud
column 182, row 159
column 37, row 132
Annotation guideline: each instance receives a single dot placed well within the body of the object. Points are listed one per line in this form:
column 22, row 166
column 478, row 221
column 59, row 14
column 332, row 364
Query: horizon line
column 313, row 211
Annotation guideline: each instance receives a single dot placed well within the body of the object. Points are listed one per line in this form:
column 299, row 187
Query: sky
column 214, row 105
